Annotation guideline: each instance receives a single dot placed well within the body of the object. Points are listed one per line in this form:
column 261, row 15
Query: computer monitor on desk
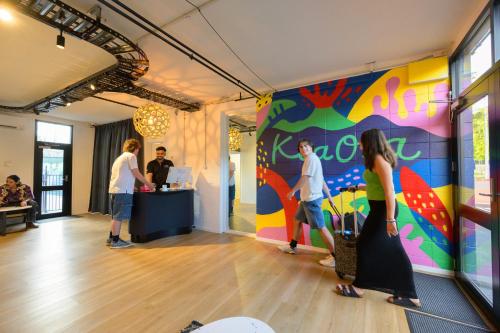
column 179, row 175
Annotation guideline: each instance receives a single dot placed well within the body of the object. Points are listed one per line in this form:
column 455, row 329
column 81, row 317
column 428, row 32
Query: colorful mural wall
column 334, row 114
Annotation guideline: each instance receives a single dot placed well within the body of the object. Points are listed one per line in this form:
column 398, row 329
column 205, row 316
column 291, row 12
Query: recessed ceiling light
column 92, row 86
column 5, row 15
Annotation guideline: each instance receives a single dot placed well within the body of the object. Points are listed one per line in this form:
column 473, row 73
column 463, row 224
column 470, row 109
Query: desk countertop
column 165, row 192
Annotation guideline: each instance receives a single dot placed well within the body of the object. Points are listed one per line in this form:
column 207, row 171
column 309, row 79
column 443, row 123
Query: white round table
column 235, row 324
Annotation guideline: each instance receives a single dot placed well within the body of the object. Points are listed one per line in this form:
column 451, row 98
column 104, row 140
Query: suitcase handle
column 336, row 211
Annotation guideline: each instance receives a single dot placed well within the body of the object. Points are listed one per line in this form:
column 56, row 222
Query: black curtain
column 108, row 144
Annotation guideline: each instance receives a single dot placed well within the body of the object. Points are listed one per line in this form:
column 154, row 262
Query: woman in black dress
column 382, row 263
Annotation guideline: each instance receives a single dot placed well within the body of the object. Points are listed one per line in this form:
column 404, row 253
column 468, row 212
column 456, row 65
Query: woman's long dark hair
column 374, row 143
column 16, row 179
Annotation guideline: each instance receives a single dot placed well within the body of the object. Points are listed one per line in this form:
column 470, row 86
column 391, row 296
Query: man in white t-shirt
column 232, row 185
column 311, row 185
column 121, row 190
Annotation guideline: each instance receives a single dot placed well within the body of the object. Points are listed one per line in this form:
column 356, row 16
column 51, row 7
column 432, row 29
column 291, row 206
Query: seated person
column 15, row 193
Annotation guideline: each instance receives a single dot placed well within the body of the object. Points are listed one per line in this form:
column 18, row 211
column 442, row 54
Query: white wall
column 17, row 147
column 248, row 157
column 173, row 141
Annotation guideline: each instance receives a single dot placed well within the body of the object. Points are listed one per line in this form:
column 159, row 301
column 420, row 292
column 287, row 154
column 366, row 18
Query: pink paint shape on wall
column 306, row 230
column 412, row 248
column 277, row 233
column 262, row 114
column 413, row 114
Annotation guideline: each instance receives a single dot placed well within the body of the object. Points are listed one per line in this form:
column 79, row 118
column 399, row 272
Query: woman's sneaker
column 329, row 261
column 287, row 249
column 120, row 244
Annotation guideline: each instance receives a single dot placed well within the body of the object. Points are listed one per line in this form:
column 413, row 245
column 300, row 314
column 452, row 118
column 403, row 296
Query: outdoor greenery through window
column 475, row 157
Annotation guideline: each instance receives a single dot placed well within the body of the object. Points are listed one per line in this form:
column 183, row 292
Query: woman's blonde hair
column 130, row 145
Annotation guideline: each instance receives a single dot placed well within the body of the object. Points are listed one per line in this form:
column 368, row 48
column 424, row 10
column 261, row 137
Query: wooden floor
column 62, row 278
column 244, row 217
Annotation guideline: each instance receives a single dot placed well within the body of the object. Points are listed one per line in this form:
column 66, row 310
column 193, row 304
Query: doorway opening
column 242, row 155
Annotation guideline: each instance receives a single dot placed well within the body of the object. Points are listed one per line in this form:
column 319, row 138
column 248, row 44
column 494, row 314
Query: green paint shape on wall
column 327, row 119
column 277, row 107
column 262, row 127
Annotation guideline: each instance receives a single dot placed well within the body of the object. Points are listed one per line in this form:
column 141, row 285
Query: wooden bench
column 11, row 213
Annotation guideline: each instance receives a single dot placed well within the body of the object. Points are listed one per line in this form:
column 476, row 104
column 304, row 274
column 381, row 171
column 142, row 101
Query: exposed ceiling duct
column 132, row 62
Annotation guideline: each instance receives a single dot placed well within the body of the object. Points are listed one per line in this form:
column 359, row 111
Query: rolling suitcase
column 345, row 240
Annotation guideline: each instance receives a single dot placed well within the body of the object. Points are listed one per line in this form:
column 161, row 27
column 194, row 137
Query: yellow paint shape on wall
column 273, row 220
column 428, row 70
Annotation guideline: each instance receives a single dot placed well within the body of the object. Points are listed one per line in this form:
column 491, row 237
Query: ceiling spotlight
column 61, row 41
column 92, row 86
column 5, row 15
column 65, row 100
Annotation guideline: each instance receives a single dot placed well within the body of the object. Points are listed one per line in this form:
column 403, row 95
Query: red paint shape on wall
column 280, row 186
column 347, row 92
column 322, row 101
column 422, row 199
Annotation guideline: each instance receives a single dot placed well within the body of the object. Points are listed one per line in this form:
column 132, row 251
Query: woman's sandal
column 403, row 301
column 347, row 290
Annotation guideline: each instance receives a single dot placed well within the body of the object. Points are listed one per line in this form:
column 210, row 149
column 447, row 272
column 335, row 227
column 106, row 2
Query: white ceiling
column 288, row 43
column 33, row 68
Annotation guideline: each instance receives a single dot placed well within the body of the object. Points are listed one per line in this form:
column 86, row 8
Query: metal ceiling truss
column 132, row 62
column 242, row 127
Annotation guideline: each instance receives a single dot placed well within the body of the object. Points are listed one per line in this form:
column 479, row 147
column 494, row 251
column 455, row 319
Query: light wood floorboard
column 62, row 278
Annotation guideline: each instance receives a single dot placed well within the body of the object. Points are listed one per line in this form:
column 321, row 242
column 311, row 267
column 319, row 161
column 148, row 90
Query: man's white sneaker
column 287, row 249
column 120, row 244
column 329, row 261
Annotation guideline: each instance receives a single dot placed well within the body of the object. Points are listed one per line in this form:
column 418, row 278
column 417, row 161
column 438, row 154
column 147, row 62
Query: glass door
column 478, row 220
column 53, row 151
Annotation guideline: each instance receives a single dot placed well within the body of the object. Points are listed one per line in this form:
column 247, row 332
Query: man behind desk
column 157, row 169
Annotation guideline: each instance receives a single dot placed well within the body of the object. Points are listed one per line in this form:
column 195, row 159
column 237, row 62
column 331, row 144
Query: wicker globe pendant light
column 151, row 120
column 234, row 139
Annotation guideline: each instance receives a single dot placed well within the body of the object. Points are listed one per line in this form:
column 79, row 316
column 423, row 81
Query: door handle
column 66, row 178
column 492, row 191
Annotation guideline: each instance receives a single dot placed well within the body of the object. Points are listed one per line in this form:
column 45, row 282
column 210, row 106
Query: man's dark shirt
column 159, row 171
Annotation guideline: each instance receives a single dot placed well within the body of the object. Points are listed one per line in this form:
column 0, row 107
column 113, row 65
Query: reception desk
column 161, row 214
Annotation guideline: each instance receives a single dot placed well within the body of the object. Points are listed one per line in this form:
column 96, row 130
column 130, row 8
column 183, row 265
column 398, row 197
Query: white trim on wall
column 224, row 172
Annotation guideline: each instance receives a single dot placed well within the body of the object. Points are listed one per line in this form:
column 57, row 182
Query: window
column 474, row 148
column 474, row 59
column 49, row 132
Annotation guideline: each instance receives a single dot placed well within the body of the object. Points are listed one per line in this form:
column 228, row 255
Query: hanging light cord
column 230, row 49
column 205, row 110
column 184, row 143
